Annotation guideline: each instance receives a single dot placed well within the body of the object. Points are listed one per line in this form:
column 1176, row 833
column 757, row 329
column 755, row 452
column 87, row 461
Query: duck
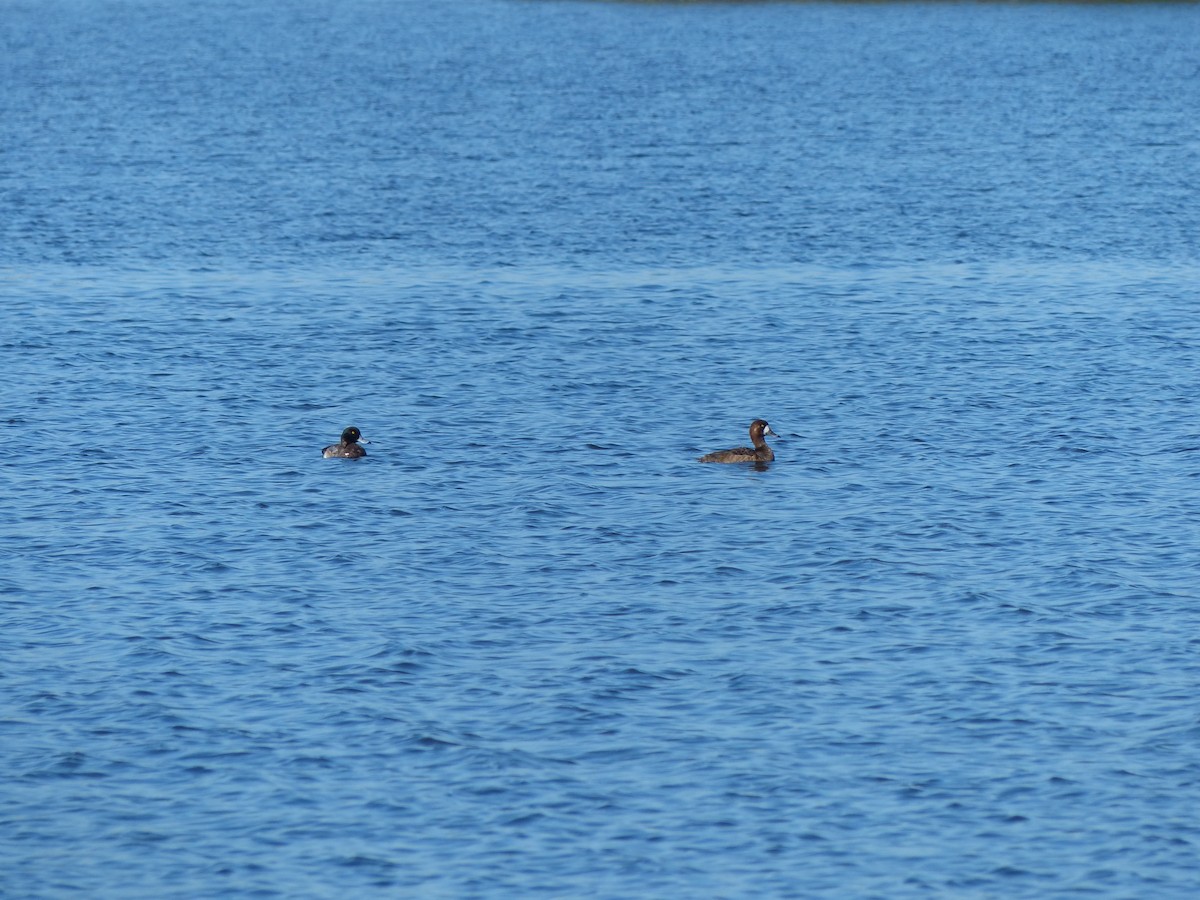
column 349, row 447
column 759, row 453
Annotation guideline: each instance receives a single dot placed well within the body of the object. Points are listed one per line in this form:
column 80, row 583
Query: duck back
column 739, row 454
column 340, row 451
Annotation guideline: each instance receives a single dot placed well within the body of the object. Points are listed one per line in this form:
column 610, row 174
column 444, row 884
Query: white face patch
column 767, row 430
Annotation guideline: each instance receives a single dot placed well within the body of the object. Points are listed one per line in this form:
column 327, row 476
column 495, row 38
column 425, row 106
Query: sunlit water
column 544, row 255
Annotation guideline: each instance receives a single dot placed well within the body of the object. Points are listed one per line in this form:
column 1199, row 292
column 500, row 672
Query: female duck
column 349, row 447
column 759, row 453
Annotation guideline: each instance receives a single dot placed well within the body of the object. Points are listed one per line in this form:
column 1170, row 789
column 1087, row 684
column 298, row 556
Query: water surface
column 544, row 255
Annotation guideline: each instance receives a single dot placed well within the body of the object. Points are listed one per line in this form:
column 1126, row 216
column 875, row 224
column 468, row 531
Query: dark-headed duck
column 349, row 447
column 759, row 453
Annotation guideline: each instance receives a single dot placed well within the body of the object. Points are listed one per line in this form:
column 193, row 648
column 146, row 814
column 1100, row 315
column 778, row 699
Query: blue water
column 544, row 255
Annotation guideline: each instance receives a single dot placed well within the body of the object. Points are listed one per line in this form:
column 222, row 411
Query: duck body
column 348, row 447
column 759, row 453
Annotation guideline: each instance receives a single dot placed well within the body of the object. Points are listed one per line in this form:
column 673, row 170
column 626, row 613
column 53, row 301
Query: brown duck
column 760, row 452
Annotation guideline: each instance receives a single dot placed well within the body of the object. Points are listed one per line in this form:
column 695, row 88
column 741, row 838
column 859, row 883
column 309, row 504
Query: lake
column 544, row 255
